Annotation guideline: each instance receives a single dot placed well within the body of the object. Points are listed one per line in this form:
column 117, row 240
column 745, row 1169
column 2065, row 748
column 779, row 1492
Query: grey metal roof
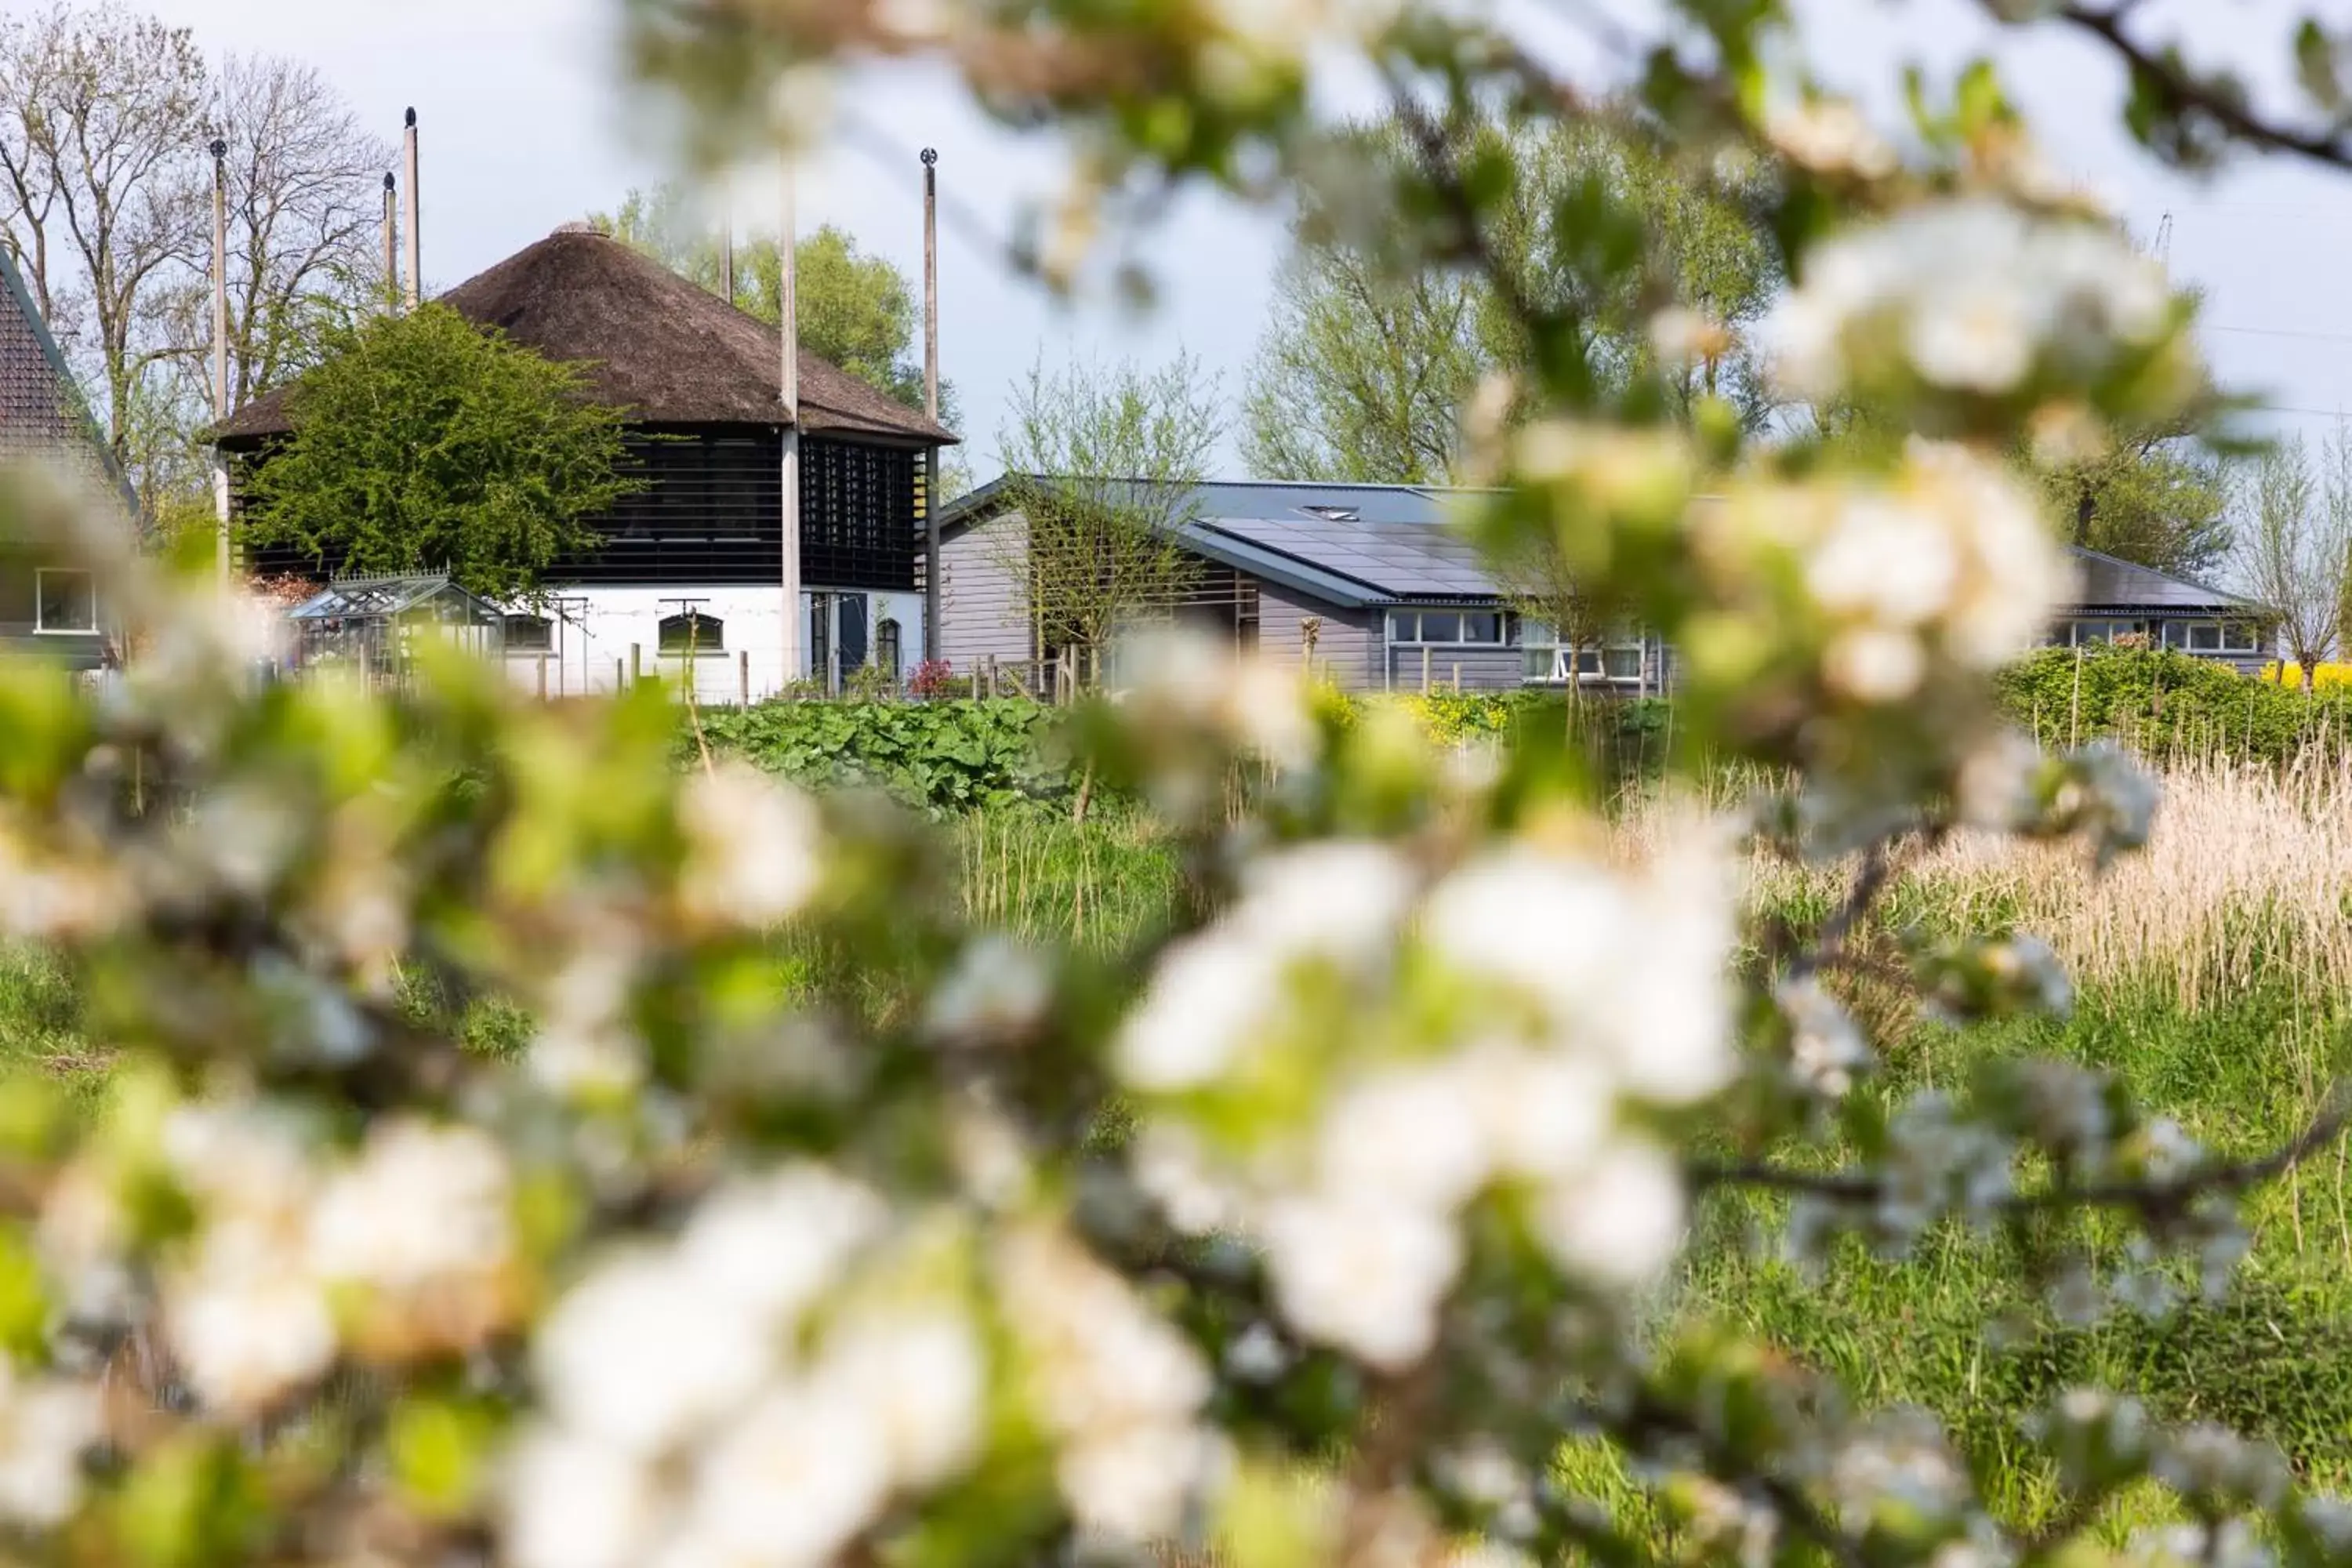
column 2108, row 582
column 1357, row 545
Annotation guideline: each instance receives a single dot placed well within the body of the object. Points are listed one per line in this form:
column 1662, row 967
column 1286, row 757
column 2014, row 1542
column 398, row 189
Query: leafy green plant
column 948, row 756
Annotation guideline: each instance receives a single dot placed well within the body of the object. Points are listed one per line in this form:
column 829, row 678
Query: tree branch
column 2151, row 1198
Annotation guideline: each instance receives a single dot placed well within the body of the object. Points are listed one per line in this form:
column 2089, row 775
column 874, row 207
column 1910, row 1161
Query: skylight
column 1333, row 513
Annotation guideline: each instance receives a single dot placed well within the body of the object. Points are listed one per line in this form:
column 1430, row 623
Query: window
column 1446, row 628
column 1617, row 657
column 2215, row 637
column 2091, row 633
column 69, row 601
column 692, row 633
column 530, row 634
column 886, row 650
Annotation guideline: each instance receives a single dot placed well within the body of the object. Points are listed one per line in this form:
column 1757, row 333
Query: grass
column 2215, row 977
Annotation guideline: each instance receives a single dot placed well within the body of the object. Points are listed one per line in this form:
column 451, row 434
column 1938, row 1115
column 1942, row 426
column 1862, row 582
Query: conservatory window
column 2217, row 636
column 1617, row 656
column 1446, row 628
column 67, row 601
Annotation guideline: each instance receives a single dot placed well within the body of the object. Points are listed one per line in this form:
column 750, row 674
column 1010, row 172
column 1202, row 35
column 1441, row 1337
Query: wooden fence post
column 542, row 677
column 636, row 662
column 743, row 674
column 1424, row 669
column 620, row 674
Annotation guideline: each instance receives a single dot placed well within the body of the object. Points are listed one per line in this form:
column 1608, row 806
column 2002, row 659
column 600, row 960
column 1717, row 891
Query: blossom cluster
column 1556, row 996
column 1970, row 300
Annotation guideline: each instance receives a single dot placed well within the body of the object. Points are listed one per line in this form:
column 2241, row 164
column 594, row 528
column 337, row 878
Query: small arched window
column 886, row 649
column 692, row 634
column 530, row 634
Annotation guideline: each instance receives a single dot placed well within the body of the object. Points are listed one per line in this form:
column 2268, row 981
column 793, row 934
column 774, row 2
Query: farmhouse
column 47, row 608
column 688, row 569
column 1371, row 582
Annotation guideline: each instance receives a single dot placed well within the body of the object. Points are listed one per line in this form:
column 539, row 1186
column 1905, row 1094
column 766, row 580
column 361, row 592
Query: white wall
column 598, row 625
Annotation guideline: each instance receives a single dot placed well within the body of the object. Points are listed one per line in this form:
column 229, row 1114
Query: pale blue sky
column 527, row 126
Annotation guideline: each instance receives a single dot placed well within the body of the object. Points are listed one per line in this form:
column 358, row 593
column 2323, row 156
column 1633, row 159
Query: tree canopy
column 1377, row 345
column 422, row 442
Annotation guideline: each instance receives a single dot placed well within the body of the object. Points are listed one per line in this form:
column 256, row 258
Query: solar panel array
column 1398, row 542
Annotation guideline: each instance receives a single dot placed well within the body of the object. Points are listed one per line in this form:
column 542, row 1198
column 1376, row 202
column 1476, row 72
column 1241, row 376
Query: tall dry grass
column 2247, row 877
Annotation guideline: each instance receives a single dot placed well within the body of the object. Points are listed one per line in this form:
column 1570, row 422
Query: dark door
column 852, row 633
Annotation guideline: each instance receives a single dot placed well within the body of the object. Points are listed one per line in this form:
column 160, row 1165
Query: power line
column 2283, row 333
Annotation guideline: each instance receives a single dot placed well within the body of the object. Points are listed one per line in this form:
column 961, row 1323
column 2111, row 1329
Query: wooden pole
column 413, row 213
column 620, row 673
column 220, row 358
column 932, row 640
column 636, row 662
column 542, row 677
column 744, row 675
column 788, row 305
column 1424, row 669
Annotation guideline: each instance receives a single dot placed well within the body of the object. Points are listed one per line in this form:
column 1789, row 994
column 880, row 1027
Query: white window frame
column 41, row 602
column 1539, row 639
column 2252, row 637
column 1502, row 626
column 2131, row 627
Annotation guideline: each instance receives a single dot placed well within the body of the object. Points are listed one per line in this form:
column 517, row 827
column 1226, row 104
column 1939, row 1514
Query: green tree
column 856, row 309
column 1374, row 347
column 423, row 443
column 2155, row 495
column 1103, row 461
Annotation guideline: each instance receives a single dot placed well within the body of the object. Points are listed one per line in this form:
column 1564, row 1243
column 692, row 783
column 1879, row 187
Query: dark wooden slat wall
column 713, row 515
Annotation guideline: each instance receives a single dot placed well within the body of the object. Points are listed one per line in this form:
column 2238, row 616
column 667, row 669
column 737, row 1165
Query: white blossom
column 787, row 1484
column 1361, row 1273
column 1540, row 1114
column 45, row 1425
column 1410, row 1135
column 1620, row 1223
column 998, row 990
column 1209, row 994
column 1830, row 136
column 1552, row 928
column 572, row 1503
column 755, row 846
column 422, row 1205
column 768, row 1246
column 643, row 1352
column 247, row 1328
column 919, row 1376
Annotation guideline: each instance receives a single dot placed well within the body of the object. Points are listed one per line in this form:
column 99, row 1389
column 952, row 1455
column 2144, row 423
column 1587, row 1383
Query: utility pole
column 220, row 357
column 727, row 257
column 391, row 244
column 413, row 214
column 787, row 309
column 932, row 641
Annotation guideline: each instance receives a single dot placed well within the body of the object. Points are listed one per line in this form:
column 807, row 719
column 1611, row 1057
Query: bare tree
column 106, row 119
column 303, row 214
column 101, row 189
column 1103, row 462
column 2294, row 543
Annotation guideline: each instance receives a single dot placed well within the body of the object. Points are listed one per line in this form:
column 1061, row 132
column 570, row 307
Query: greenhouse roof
column 349, row 599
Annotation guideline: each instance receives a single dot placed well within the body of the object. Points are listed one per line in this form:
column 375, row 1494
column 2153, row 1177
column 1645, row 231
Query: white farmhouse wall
column 599, row 628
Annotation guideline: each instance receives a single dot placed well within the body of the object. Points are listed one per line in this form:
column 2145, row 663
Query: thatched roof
column 659, row 347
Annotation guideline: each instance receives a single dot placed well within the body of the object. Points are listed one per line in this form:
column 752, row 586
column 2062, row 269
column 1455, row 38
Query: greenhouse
column 375, row 626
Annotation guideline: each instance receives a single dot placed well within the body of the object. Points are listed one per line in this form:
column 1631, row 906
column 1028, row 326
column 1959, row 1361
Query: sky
column 528, row 123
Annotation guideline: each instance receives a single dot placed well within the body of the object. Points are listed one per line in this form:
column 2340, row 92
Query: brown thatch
column 656, row 345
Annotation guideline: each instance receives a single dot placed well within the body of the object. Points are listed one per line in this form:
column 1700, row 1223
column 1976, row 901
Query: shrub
column 948, row 756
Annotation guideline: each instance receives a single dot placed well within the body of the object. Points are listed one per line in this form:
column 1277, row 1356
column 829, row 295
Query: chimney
column 391, row 243
column 410, row 217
